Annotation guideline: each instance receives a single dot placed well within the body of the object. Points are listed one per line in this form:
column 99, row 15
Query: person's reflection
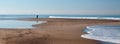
column 37, row 20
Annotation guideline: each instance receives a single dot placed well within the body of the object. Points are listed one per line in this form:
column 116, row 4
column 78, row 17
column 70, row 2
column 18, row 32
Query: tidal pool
column 18, row 23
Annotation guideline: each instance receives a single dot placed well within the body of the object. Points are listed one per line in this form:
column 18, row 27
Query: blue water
column 62, row 16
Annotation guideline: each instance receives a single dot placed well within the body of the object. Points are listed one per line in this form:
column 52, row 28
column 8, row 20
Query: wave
column 107, row 33
column 111, row 18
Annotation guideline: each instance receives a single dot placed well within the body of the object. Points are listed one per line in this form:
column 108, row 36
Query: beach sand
column 54, row 31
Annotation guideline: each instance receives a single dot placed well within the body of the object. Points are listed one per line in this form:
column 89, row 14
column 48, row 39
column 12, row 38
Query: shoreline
column 54, row 31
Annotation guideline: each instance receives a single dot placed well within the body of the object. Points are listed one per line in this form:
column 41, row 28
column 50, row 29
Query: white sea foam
column 108, row 33
column 112, row 18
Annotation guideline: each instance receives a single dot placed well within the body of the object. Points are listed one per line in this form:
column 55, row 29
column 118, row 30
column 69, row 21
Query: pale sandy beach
column 54, row 31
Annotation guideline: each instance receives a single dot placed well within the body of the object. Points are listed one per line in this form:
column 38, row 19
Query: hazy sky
column 59, row 6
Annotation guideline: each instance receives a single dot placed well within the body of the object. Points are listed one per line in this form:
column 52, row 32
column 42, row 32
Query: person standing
column 37, row 16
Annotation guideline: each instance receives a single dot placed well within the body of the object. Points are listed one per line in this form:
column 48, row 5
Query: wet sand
column 54, row 31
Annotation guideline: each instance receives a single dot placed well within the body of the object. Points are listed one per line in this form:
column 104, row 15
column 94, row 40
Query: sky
column 59, row 6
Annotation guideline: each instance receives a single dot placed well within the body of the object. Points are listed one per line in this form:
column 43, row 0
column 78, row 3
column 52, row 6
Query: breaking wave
column 107, row 33
column 111, row 18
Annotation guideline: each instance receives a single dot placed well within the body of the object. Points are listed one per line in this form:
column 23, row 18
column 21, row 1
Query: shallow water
column 110, row 34
column 18, row 23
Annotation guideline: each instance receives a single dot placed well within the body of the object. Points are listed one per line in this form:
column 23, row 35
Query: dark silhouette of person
column 36, row 16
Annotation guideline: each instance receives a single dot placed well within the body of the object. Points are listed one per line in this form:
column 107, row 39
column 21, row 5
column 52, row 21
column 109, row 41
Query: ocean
column 113, row 17
column 110, row 34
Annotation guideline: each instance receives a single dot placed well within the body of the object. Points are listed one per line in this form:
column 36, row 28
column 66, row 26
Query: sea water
column 18, row 24
column 73, row 16
column 107, row 33
column 9, row 21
